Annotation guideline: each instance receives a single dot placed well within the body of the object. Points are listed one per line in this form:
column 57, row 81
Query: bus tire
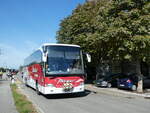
column 37, row 89
column 26, row 84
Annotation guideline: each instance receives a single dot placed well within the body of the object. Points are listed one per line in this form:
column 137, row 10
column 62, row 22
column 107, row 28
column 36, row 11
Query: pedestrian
column 12, row 79
column 9, row 75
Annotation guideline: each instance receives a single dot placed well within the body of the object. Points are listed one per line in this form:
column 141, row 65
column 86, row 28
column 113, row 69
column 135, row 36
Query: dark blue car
column 128, row 82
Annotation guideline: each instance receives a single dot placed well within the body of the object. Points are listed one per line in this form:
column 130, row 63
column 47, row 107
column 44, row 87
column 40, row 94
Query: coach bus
column 55, row 69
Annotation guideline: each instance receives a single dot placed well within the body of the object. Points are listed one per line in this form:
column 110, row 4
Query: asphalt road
column 87, row 103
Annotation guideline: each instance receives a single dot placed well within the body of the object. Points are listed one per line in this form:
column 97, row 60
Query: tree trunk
column 140, row 78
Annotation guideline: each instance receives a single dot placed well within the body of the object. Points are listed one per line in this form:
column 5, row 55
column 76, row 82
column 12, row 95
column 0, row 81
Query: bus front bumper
column 54, row 90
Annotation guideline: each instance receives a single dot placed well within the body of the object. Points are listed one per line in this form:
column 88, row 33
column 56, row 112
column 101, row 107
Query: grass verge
column 23, row 105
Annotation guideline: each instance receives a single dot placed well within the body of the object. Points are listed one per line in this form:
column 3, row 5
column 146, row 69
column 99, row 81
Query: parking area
column 118, row 92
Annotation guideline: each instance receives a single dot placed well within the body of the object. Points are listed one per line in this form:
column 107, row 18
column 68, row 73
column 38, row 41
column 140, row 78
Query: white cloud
column 13, row 56
column 10, row 56
column 32, row 46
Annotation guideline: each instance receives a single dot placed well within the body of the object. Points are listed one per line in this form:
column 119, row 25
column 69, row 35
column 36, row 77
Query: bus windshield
column 64, row 60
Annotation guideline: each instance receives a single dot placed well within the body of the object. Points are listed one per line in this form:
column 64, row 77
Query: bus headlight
column 82, row 83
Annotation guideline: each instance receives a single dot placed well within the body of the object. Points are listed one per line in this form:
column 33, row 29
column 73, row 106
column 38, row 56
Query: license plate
column 68, row 90
column 121, row 84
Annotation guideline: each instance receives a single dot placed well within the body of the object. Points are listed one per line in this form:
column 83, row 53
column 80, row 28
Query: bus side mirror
column 44, row 49
column 44, row 58
column 88, row 57
column 45, row 55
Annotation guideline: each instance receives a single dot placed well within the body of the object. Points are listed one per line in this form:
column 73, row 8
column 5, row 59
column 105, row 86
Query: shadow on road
column 3, row 80
column 65, row 96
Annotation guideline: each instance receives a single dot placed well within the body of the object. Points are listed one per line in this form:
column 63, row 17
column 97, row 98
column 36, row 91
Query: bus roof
column 53, row 44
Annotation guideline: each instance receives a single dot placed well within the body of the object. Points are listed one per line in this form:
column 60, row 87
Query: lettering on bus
column 64, row 81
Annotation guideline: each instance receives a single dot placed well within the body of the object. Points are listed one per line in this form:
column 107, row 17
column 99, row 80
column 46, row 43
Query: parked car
column 146, row 82
column 130, row 82
column 108, row 81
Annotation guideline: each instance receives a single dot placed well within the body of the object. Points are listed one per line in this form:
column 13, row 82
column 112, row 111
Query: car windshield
column 113, row 76
column 64, row 60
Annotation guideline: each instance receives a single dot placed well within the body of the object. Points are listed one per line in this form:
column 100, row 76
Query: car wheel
column 133, row 88
column 109, row 85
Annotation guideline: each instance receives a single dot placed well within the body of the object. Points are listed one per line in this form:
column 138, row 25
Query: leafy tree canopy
column 109, row 29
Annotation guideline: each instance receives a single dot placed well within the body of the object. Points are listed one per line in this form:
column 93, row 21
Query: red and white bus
column 55, row 69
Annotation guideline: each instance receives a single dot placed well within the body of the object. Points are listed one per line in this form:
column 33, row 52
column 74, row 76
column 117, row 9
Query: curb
column 115, row 92
column 19, row 83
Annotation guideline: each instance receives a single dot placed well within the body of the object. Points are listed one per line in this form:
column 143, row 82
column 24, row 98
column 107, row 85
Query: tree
column 110, row 29
column 132, row 22
column 84, row 27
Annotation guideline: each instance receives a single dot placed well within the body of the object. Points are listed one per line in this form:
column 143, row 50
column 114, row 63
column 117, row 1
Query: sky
column 26, row 24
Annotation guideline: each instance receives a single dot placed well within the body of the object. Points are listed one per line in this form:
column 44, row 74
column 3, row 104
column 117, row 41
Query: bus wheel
column 37, row 89
column 26, row 82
